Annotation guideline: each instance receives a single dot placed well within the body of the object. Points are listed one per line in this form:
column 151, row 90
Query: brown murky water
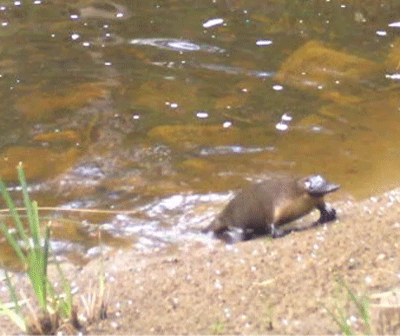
column 164, row 107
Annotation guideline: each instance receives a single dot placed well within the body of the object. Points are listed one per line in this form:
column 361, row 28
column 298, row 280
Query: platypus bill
column 263, row 207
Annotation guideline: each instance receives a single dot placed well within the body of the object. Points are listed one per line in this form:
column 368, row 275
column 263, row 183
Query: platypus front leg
column 327, row 213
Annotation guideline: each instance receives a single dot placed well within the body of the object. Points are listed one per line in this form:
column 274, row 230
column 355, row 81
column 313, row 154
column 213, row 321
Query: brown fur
column 268, row 205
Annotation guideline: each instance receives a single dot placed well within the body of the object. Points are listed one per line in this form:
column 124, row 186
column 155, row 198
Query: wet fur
column 263, row 207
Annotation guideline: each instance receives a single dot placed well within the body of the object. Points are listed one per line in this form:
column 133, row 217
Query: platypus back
column 267, row 205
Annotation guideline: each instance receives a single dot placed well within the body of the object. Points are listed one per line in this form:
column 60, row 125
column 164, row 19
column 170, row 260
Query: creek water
column 155, row 112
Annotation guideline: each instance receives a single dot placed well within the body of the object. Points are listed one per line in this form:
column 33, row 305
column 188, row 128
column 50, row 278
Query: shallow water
column 166, row 107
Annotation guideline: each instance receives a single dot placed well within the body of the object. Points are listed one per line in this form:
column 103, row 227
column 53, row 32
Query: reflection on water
column 229, row 150
column 176, row 45
column 164, row 107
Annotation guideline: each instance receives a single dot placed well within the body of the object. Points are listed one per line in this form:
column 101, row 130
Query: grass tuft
column 96, row 302
column 32, row 248
column 341, row 315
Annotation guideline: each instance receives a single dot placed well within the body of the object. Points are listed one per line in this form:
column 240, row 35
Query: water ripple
column 176, row 45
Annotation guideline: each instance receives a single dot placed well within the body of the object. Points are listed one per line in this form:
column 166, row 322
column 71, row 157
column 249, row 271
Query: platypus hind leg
column 231, row 236
column 277, row 232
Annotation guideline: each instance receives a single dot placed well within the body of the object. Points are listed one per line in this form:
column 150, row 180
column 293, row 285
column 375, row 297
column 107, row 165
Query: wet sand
column 263, row 286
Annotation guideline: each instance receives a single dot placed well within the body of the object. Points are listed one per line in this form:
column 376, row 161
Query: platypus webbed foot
column 328, row 214
column 276, row 232
column 232, row 236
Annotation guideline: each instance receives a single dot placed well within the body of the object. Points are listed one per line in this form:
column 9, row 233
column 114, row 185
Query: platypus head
column 317, row 186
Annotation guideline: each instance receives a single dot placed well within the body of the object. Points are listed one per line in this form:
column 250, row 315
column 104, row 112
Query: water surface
column 164, row 108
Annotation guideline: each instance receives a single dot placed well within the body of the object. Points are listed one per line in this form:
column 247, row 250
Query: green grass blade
column 30, row 208
column 341, row 322
column 66, row 289
column 362, row 307
column 51, row 293
column 46, row 249
column 35, row 257
column 37, row 280
column 45, row 258
column 13, row 314
column 15, row 317
column 366, row 316
column 40, row 251
column 37, row 274
column 14, row 212
column 35, row 228
column 64, row 306
column 13, row 295
column 38, row 264
column 13, row 242
column 59, row 304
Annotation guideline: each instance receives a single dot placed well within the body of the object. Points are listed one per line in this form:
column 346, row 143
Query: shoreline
column 262, row 286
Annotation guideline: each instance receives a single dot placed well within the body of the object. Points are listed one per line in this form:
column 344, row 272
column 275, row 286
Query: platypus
column 263, row 207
